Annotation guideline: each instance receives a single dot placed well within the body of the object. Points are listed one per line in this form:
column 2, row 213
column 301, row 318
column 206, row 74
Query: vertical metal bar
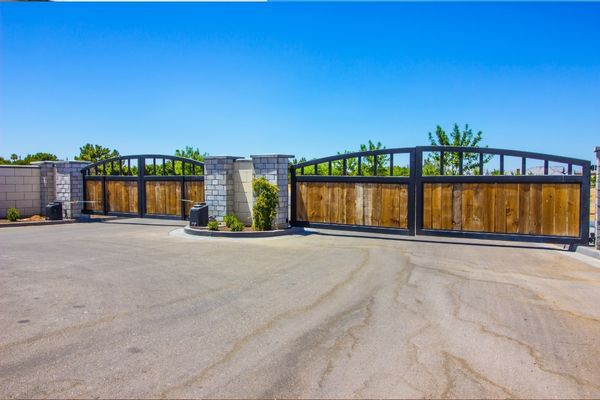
column 183, row 168
column 173, row 167
column 523, row 166
column 182, row 197
column 164, row 167
column 545, row 167
column 330, row 171
column 104, row 196
column 141, row 187
column 501, row 164
column 375, row 165
column 193, row 169
column 154, row 163
column 120, row 166
column 316, row 169
column 416, row 171
column 293, row 196
column 391, row 164
column 460, row 163
column 359, row 165
column 129, row 166
column 344, row 167
column 584, row 200
column 570, row 169
column 441, row 163
column 302, row 171
column 481, row 163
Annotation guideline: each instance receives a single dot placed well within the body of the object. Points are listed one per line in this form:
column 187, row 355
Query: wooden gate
column 144, row 186
column 446, row 191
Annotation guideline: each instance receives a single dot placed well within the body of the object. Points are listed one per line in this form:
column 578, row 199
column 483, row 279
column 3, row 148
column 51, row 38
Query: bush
column 213, row 225
column 265, row 207
column 229, row 219
column 13, row 214
column 237, row 226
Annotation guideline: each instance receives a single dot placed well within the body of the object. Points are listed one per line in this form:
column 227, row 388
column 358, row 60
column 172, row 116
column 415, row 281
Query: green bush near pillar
column 265, row 206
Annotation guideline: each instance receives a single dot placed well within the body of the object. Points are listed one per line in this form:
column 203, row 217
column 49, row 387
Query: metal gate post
column 182, row 196
column 411, row 192
column 418, row 189
column 141, row 187
column 84, row 191
column 293, row 196
column 104, row 196
column 584, row 214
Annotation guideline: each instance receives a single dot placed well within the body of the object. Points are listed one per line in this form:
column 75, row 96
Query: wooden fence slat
column 548, row 203
column 573, row 211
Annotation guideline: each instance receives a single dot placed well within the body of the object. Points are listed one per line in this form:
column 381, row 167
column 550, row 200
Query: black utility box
column 54, row 211
column 199, row 215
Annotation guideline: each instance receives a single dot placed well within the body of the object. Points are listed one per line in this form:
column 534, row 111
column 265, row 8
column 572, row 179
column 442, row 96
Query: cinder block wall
column 218, row 185
column 20, row 188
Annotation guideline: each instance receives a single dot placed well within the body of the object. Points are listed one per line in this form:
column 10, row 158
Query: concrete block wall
column 242, row 187
column 597, row 205
column 47, row 184
column 69, row 186
column 20, row 188
column 274, row 167
column 218, row 185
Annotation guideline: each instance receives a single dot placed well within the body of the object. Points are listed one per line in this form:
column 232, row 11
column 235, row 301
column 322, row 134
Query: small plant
column 229, row 219
column 266, row 202
column 213, row 225
column 13, row 214
column 236, row 226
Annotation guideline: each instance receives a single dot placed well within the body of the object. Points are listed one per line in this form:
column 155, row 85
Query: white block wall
column 20, row 188
column 242, row 184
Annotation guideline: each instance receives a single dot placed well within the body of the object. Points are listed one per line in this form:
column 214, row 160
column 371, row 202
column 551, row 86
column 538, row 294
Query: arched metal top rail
column 160, row 165
column 482, row 152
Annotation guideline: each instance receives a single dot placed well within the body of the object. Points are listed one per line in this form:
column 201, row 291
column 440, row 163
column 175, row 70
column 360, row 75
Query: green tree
column 94, row 153
column 192, row 153
column 40, row 156
column 464, row 138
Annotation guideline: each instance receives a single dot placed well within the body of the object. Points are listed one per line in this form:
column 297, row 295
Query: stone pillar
column 69, row 186
column 597, row 205
column 218, row 185
column 274, row 167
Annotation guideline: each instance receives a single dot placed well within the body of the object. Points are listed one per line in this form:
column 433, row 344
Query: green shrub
column 229, row 219
column 236, row 226
column 265, row 206
column 13, row 214
column 213, row 225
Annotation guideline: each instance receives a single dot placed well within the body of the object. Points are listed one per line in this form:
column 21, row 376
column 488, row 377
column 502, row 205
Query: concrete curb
column 36, row 223
column 588, row 251
column 243, row 234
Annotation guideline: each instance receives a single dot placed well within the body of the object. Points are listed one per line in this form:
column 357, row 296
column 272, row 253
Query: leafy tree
column 266, row 203
column 14, row 157
column 190, row 152
column 464, row 138
column 29, row 158
column 95, row 153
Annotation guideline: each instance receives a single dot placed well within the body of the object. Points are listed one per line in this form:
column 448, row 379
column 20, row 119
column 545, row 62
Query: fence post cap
column 271, row 155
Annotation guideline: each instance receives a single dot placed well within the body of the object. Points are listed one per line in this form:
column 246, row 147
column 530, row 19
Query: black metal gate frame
column 98, row 172
column 416, row 181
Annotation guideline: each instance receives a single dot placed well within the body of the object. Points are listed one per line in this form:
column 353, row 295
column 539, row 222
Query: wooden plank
column 512, row 207
column 560, row 210
column 403, row 207
column 524, row 204
column 548, row 206
column 436, row 206
column 478, row 207
column 488, row 206
column 467, row 207
column 573, row 211
column 446, row 210
column 427, row 206
column 535, row 209
column 390, row 205
column 500, row 208
column 456, row 207
column 359, row 210
column 350, row 203
column 301, row 201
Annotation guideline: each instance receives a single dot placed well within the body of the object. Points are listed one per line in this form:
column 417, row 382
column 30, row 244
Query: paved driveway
column 128, row 310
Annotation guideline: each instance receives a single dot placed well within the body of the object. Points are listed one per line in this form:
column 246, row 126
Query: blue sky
column 308, row 79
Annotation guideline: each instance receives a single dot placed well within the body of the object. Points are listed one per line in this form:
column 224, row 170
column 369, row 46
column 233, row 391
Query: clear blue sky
column 303, row 78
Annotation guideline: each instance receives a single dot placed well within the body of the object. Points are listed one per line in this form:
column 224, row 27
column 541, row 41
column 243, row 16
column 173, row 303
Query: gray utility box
column 199, row 215
column 54, row 211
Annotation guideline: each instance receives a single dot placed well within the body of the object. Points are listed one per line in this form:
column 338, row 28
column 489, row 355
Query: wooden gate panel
column 550, row 209
column 345, row 203
column 122, row 196
column 94, row 196
column 163, row 197
column 194, row 192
